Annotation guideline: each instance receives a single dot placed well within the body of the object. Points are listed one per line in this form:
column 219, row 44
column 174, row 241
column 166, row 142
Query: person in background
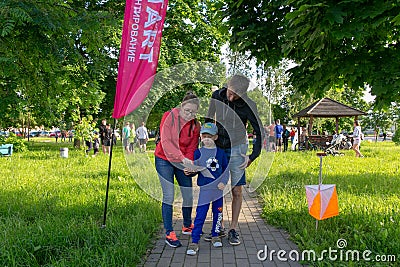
column 278, row 135
column 179, row 138
column 254, row 141
column 89, row 146
column 335, row 135
column 292, row 134
column 143, row 137
column 303, row 135
column 96, row 145
column 271, row 137
column 357, row 138
column 70, row 135
column 114, row 138
column 126, row 132
column 132, row 138
column 285, row 138
column 63, row 135
column 264, row 130
column 88, row 143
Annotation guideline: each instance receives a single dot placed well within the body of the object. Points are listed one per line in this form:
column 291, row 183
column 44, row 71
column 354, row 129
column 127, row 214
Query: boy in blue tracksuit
column 211, row 164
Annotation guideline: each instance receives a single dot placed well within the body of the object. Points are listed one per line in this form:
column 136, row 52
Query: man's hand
column 246, row 162
column 189, row 172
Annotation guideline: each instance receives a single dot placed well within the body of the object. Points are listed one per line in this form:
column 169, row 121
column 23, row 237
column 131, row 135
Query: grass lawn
column 369, row 201
column 52, row 208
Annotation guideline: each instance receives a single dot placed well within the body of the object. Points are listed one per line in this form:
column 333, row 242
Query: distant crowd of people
column 276, row 139
column 93, row 140
column 131, row 138
column 63, row 135
column 277, row 136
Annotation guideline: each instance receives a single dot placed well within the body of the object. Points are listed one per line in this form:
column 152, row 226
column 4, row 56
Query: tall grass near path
column 51, row 210
column 369, row 202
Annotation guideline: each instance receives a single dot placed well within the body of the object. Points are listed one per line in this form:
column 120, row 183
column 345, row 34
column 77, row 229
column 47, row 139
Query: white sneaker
column 216, row 241
column 192, row 249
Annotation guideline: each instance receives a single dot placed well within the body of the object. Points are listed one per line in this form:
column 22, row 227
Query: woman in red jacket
column 179, row 132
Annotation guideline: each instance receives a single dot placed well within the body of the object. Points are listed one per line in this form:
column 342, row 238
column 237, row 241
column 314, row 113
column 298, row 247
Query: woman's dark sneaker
column 172, row 240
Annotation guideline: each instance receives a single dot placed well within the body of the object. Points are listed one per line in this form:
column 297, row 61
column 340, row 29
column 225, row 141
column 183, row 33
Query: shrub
column 396, row 137
column 2, row 140
column 19, row 144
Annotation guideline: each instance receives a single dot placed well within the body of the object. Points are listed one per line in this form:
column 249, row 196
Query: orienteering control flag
column 322, row 201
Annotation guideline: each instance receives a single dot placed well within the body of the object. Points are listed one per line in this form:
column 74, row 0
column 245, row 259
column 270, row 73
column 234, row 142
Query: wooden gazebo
column 327, row 108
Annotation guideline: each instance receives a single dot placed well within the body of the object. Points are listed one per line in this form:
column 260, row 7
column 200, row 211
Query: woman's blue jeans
column 166, row 172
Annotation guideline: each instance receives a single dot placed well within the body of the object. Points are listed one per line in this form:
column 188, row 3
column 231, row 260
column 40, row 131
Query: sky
column 368, row 97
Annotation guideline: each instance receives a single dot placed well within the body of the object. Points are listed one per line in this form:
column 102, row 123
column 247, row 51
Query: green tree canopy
column 334, row 43
column 58, row 59
column 55, row 55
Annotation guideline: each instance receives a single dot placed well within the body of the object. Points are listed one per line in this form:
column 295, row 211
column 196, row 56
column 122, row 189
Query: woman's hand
column 187, row 162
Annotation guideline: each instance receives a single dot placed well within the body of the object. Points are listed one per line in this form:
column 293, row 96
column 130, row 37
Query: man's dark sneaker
column 233, row 237
column 222, row 233
column 172, row 240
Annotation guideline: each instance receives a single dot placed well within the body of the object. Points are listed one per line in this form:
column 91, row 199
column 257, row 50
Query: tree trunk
column 77, row 143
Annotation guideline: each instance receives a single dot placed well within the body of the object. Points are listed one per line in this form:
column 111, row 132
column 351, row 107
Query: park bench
column 6, row 150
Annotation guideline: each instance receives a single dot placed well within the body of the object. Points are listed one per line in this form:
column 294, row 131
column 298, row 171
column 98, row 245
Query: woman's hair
column 191, row 98
column 356, row 122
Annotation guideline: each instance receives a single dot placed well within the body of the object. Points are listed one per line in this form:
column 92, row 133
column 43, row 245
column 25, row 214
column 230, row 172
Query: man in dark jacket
column 231, row 109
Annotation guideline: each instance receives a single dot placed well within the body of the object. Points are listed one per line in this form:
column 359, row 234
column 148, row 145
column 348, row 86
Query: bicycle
column 303, row 146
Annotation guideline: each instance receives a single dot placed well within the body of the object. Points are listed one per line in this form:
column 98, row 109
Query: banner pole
column 108, row 176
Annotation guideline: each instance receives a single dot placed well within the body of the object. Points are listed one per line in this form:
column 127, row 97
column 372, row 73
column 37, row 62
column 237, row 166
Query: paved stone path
column 255, row 235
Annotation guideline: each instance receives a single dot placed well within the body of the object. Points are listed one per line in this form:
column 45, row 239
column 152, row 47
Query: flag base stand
column 320, row 155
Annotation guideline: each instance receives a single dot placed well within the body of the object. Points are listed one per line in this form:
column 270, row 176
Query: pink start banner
column 139, row 53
